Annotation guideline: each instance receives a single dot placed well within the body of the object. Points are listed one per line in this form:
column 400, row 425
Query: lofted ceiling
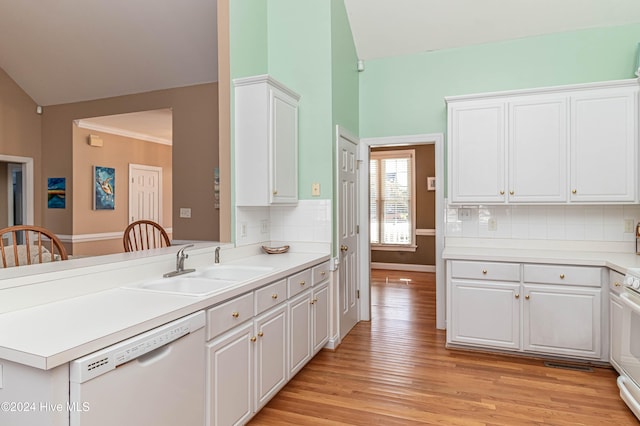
column 65, row 51
column 384, row 28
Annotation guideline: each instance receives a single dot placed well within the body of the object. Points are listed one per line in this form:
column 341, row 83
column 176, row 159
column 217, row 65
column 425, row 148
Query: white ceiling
column 383, row 28
column 65, row 51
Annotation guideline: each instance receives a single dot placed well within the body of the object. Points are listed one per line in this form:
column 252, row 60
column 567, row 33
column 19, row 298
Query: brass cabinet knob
column 260, row 334
column 302, row 283
column 344, row 248
column 501, row 192
column 235, row 314
column 253, row 338
column 562, row 276
column 575, row 191
column 527, row 297
column 617, row 284
column 311, row 302
column 511, row 192
column 274, row 296
column 323, row 273
column 275, row 192
column 484, row 271
column 517, row 295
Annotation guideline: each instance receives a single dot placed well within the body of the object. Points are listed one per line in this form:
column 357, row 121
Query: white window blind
column 392, row 197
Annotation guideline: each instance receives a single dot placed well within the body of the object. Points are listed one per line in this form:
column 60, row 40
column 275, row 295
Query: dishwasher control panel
column 104, row 360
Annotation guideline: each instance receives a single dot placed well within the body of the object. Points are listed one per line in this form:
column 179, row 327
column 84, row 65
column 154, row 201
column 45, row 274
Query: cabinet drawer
column 270, row 295
column 299, row 282
column 321, row 272
column 615, row 281
column 485, row 270
column 564, row 275
column 226, row 316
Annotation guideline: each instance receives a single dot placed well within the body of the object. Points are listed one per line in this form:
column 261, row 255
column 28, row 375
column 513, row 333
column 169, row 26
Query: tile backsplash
column 572, row 222
column 308, row 221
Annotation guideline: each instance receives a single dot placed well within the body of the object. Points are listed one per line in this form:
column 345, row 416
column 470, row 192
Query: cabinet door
column 271, row 354
column 603, row 145
column 300, row 331
column 562, row 320
column 477, row 152
column 615, row 330
column 485, row 313
column 230, row 377
column 283, row 162
column 538, row 150
column 320, row 316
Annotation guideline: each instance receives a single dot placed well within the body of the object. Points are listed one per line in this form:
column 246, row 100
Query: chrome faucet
column 217, row 255
column 180, row 257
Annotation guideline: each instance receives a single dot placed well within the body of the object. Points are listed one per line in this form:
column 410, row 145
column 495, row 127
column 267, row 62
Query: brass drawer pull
column 261, row 334
column 274, row 296
column 235, row 314
column 302, row 283
column 562, row 276
column 484, row 272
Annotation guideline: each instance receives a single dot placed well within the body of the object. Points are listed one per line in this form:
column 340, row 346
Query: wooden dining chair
column 145, row 235
column 28, row 244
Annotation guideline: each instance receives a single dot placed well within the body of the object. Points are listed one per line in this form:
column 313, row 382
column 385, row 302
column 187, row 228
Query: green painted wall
column 299, row 56
column 405, row 95
column 247, row 38
column 344, row 73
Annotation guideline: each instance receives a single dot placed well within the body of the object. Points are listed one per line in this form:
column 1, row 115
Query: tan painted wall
column 194, row 154
column 425, row 254
column 20, row 135
column 117, row 152
column 4, row 214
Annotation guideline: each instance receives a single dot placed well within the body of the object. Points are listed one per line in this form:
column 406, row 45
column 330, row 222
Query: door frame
column 27, row 186
column 437, row 139
column 158, row 169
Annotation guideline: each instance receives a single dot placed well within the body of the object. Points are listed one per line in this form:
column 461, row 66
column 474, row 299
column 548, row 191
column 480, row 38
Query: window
column 392, row 202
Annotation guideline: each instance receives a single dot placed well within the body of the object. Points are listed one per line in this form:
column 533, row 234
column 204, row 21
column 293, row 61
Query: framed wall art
column 104, row 193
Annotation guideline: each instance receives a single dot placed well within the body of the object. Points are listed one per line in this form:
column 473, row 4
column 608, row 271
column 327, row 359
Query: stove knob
column 628, row 279
column 636, row 283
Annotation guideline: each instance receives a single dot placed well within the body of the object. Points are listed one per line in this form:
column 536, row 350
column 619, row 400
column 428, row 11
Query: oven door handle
column 626, row 395
column 627, row 300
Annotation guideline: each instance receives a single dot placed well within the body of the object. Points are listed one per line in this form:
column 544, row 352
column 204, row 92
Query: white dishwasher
column 156, row 378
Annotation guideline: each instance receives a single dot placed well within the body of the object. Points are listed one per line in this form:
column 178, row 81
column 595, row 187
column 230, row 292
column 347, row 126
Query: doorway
column 437, row 139
column 18, row 190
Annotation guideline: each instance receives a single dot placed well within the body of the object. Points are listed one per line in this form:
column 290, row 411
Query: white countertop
column 620, row 262
column 51, row 334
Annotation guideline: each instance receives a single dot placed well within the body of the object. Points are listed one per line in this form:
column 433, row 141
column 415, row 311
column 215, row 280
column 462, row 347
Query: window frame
column 390, row 154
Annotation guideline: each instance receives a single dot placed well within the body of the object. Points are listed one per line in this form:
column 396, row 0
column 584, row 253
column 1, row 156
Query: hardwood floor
column 395, row 370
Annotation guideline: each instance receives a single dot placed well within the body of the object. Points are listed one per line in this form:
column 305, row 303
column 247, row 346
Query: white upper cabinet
column 477, row 155
column 266, row 142
column 538, row 150
column 553, row 145
column 603, row 145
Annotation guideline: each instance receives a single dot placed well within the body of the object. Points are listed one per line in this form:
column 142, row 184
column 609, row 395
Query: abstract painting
column 56, row 192
column 104, row 193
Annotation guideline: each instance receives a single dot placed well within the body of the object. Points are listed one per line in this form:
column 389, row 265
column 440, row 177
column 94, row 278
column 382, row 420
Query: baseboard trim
column 333, row 343
column 410, row 267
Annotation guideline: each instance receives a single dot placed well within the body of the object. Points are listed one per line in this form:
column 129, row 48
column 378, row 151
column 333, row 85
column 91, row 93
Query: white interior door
column 347, row 231
column 145, row 193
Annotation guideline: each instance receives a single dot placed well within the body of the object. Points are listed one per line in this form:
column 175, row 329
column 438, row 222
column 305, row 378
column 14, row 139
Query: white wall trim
column 426, row 232
column 103, row 236
column 363, row 202
column 122, row 132
column 411, row 267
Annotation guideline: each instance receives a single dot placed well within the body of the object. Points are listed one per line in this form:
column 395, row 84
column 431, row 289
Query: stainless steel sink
column 186, row 285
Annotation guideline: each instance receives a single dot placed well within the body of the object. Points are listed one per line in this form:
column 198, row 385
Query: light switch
column 315, row 189
column 185, row 212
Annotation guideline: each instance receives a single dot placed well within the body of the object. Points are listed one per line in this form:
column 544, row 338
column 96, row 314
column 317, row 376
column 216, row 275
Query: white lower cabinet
column 545, row 309
column 258, row 341
column 308, row 325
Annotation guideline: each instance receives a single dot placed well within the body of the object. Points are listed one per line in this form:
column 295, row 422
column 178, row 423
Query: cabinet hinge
column 357, row 229
column 357, row 294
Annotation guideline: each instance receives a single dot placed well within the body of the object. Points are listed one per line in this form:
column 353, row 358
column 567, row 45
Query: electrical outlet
column 185, row 212
column 315, row 189
column 243, row 229
column 628, row 226
column 492, row 225
column 264, row 226
column 464, row 214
